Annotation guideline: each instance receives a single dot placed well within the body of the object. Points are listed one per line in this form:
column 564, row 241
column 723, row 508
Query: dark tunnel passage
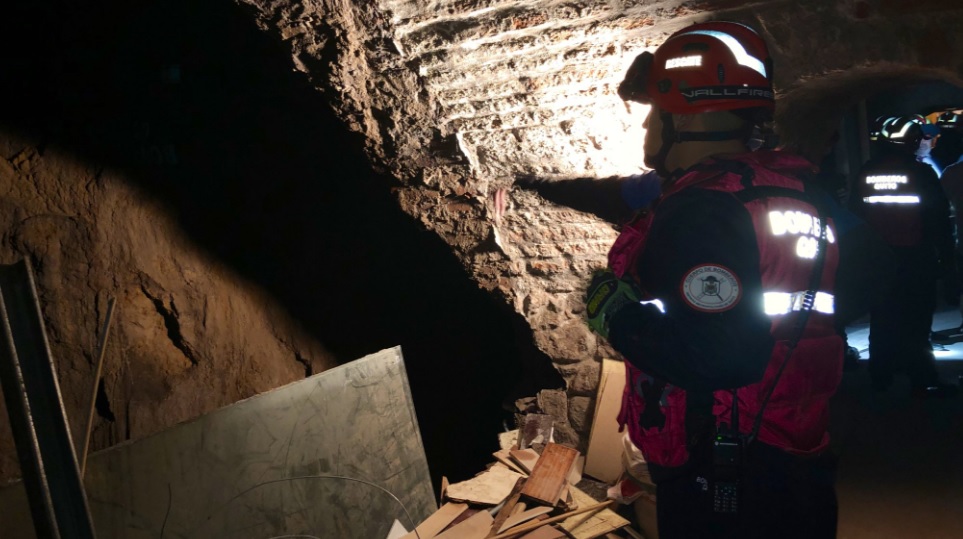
column 203, row 111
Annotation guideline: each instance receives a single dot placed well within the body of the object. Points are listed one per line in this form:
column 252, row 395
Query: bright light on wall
column 617, row 128
column 629, row 152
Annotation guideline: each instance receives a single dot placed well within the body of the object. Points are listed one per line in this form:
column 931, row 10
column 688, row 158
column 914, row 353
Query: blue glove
column 606, row 295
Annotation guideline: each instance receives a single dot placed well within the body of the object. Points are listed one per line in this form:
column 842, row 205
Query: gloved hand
column 606, row 295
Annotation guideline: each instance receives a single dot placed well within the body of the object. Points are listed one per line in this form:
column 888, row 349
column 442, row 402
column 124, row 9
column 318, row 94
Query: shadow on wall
column 204, row 111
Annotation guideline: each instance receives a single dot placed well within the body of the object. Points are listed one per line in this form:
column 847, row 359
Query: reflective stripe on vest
column 778, row 303
column 892, row 199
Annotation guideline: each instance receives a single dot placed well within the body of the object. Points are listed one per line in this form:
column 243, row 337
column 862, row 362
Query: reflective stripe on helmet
column 742, row 57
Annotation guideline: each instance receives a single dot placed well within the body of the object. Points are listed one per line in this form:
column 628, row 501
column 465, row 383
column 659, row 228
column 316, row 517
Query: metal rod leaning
column 101, row 349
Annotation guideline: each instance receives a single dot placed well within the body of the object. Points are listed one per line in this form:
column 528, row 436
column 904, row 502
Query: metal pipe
column 48, row 463
column 101, row 349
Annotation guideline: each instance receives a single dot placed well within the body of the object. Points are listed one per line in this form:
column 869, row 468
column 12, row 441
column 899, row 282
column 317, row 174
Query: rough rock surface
column 187, row 334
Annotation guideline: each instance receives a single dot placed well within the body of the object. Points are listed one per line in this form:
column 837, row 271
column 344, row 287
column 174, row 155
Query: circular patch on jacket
column 711, row 288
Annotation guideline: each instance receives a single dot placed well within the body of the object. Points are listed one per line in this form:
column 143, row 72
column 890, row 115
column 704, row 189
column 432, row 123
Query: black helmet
column 903, row 131
column 949, row 120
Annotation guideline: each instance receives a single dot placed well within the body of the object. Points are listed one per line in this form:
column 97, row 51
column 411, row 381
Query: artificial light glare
column 657, row 303
column 623, row 135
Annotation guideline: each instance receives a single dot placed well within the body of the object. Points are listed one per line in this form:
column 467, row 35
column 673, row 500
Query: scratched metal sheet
column 267, row 466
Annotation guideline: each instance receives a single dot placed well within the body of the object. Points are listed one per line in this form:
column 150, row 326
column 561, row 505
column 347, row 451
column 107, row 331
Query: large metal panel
column 267, row 466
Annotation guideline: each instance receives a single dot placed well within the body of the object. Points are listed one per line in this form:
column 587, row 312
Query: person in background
column 946, row 150
column 924, row 152
column 721, row 300
column 901, row 198
column 951, row 151
column 835, row 184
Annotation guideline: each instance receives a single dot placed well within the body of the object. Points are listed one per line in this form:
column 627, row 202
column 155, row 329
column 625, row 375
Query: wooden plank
column 438, row 521
column 526, row 458
column 603, row 458
column 548, row 477
column 443, row 492
column 476, row 526
column 524, row 528
column 504, row 456
column 524, row 516
column 507, row 509
column 592, row 525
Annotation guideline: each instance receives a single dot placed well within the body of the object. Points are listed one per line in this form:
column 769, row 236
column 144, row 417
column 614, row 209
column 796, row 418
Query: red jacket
column 729, row 250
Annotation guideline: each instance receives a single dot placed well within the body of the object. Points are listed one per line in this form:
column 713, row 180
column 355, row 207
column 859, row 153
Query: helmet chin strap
column 657, row 161
column 670, row 137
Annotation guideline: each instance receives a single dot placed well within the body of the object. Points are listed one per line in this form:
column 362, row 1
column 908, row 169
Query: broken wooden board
column 594, row 524
column 525, row 528
column 490, row 487
column 603, row 458
column 504, row 456
column 550, row 474
column 476, row 526
column 438, row 521
column 525, row 458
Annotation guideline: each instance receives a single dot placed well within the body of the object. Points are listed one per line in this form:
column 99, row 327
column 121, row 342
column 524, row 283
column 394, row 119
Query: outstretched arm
column 612, row 199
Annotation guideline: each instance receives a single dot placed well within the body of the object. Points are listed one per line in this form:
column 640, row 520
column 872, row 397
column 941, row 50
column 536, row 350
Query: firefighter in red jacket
column 901, row 198
column 721, row 301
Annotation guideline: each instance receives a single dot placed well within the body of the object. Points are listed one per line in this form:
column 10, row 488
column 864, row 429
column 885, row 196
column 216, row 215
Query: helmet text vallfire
column 727, row 92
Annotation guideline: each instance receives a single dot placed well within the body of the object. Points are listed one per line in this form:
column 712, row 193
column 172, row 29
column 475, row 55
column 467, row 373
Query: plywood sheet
column 476, row 526
column 545, row 532
column 550, row 474
column 603, row 458
column 437, row 522
column 311, row 457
